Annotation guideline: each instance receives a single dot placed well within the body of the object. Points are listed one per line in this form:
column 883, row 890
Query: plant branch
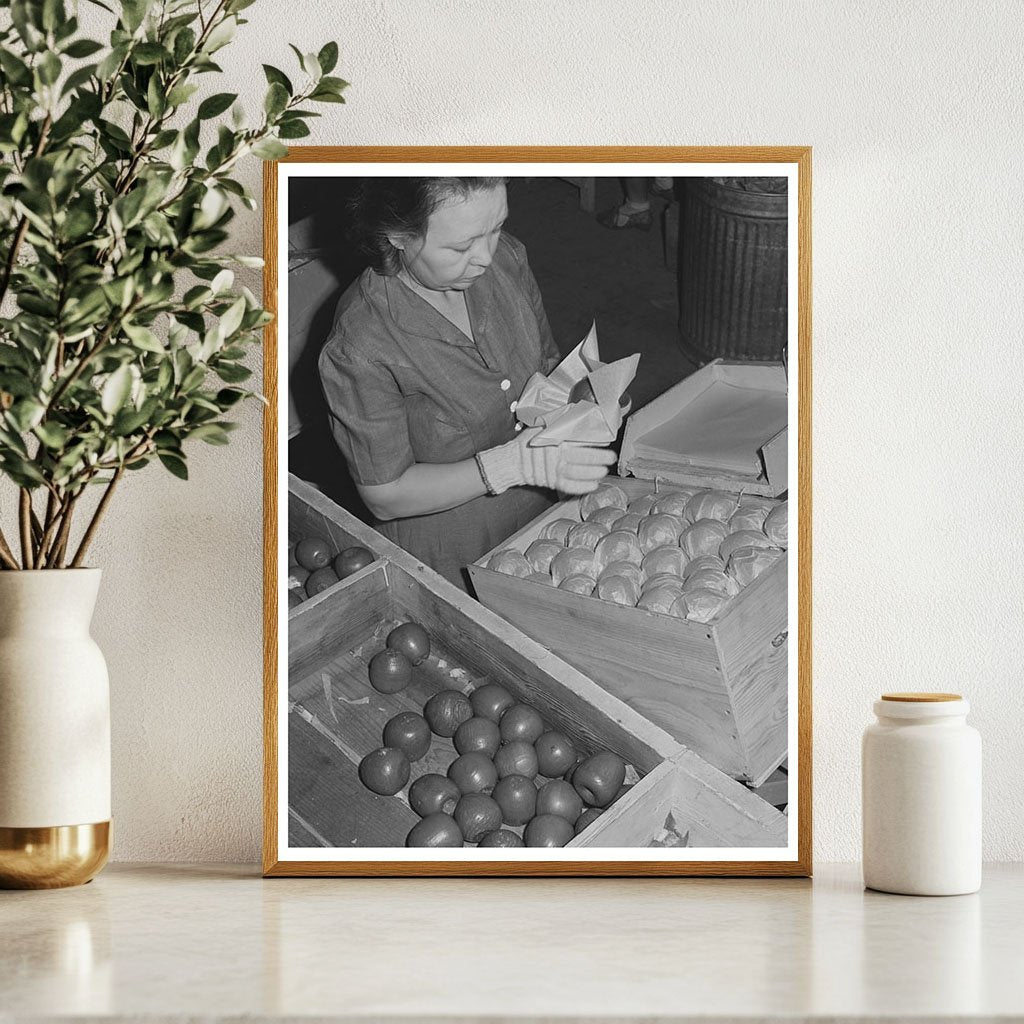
column 25, row 520
column 22, row 229
column 6, row 555
column 96, row 517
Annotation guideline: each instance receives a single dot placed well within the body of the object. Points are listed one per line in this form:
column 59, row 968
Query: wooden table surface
column 177, row 942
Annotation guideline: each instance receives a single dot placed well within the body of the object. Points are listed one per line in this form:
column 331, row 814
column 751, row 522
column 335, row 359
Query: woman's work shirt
column 404, row 385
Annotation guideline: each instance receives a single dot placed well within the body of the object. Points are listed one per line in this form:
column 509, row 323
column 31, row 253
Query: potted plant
column 122, row 340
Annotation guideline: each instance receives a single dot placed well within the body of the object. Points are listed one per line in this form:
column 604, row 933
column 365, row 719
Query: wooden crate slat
column 325, row 791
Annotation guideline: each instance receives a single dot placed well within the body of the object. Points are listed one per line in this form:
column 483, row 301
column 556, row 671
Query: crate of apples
column 684, row 552
column 314, row 564
column 512, row 782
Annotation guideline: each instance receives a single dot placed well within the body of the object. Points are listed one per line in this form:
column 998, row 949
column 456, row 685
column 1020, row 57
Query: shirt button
column 514, row 406
column 506, row 384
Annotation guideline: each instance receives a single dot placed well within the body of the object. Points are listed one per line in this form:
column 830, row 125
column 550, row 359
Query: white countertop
column 181, row 941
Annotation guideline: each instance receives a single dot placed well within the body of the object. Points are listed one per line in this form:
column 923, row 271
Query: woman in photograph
column 431, row 347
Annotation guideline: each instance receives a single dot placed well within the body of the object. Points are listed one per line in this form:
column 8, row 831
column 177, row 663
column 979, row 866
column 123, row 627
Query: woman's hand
column 569, row 468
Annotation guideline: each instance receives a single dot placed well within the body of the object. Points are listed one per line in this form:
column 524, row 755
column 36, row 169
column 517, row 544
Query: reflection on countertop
column 177, row 941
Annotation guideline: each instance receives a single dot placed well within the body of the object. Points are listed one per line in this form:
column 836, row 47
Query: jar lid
column 921, row 698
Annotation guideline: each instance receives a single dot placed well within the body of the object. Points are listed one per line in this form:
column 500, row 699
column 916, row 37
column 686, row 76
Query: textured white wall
column 914, row 111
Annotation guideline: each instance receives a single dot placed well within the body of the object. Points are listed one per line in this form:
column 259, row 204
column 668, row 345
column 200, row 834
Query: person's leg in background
column 635, row 212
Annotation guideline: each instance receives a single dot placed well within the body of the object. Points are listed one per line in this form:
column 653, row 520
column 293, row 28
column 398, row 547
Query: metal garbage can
column 733, row 280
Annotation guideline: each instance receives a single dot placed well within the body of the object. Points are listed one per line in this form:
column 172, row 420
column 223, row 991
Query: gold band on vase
column 52, row 857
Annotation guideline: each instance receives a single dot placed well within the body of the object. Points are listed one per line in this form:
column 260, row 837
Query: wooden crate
column 719, row 688
column 683, row 804
column 336, row 717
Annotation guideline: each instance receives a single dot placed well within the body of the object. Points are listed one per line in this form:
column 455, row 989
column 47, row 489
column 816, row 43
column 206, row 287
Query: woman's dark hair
column 402, row 206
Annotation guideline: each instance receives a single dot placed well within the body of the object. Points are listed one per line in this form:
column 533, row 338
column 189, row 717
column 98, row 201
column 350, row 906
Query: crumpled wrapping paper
column 545, row 400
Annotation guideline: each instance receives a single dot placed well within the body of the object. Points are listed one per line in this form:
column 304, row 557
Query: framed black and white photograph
column 537, row 511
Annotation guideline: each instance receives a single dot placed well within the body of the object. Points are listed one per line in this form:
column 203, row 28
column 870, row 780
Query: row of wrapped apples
column 684, row 552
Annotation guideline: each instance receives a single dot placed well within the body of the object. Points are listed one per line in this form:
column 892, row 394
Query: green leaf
column 234, row 6
column 328, row 57
column 77, row 79
column 269, row 149
column 134, row 13
column 149, row 53
column 232, row 373
column 276, row 100
column 278, row 77
column 53, row 435
column 175, row 465
column 215, row 105
column 14, row 68
column 221, row 35
column 144, row 338
column 26, row 413
column 83, row 48
column 116, row 390
column 323, row 96
column 333, row 84
column 49, row 68
column 184, row 44
column 293, row 130
column 181, row 94
column 232, row 319
column 211, row 433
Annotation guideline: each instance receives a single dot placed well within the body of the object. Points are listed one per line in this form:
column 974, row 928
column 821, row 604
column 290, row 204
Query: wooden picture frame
column 680, row 796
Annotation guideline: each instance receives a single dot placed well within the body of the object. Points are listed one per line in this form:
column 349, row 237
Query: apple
column 390, row 671
column 477, row 735
column 628, row 522
column 619, row 590
column 521, row 722
column 605, row 516
column 585, row 535
column 435, row 830
column 703, row 562
column 433, row 793
column 477, row 814
column 319, row 580
column 582, row 585
column 711, row 505
column 510, row 562
column 446, row 711
column 658, row 530
column 591, row 814
column 669, row 558
column 659, row 598
column 605, row 495
column 559, row 797
column 548, row 830
column 384, row 771
column 642, row 506
column 703, row 537
column 313, row 553
column 599, row 777
column 351, row 560
column 573, row 562
column 409, row 733
column 516, row 795
column 555, row 754
column 294, row 599
column 540, row 553
column 297, row 576
column 491, row 701
column 501, row 837
column 618, row 546
column 473, row 773
column 558, row 530
column 516, row 758
column 631, row 570
column 410, row 639
column 672, row 503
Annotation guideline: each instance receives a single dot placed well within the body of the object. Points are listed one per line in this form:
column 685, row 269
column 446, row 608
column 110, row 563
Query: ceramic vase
column 54, row 731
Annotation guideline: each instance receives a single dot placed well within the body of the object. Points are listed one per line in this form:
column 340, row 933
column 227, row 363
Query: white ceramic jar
column 921, row 790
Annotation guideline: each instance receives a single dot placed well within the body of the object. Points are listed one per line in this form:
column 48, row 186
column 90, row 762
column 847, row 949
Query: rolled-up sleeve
column 367, row 416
